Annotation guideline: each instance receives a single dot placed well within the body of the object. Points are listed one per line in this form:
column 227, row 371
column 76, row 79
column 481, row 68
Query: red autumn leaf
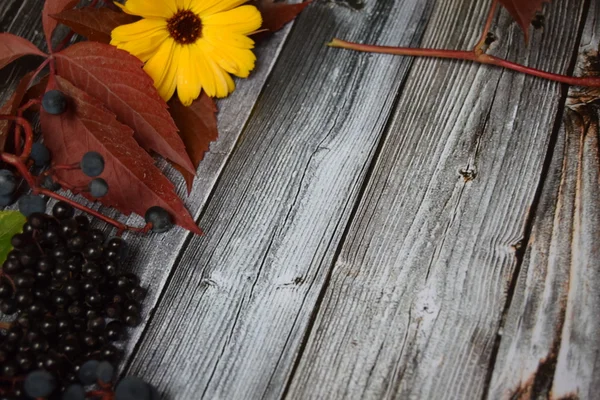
column 94, row 23
column 198, row 128
column 116, row 78
column 135, row 184
column 13, row 47
column 52, row 7
column 276, row 14
column 523, row 11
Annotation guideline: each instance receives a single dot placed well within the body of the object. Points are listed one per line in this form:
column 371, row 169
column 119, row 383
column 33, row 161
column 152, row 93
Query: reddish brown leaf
column 94, row 23
column 13, row 47
column 135, row 184
column 198, row 128
column 276, row 14
column 117, row 79
column 52, row 7
column 523, row 11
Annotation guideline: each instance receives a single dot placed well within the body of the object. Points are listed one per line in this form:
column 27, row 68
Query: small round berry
column 8, row 182
column 39, row 384
column 92, row 164
column 50, row 184
column 6, row 200
column 37, row 220
column 87, row 372
column 63, row 210
column 132, row 388
column 20, row 240
column 105, row 372
column 74, row 392
column 98, row 187
column 30, row 204
column 54, row 102
column 159, row 218
column 40, row 155
column 8, row 306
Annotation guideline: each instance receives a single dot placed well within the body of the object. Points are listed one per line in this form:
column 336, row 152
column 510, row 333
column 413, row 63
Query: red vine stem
column 469, row 56
column 28, row 133
column 478, row 49
column 20, row 112
column 120, row 226
column 35, row 74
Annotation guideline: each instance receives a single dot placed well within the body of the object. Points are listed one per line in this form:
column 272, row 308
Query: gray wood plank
column 417, row 293
column 233, row 315
column 153, row 256
column 551, row 340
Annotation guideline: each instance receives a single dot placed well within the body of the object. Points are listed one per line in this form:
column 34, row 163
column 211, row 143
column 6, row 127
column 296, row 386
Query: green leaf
column 11, row 223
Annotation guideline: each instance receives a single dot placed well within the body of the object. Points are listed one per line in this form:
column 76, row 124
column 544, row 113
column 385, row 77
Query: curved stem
column 469, row 56
column 28, row 133
column 478, row 49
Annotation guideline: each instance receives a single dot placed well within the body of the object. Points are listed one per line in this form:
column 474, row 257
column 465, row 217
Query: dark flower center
column 185, row 27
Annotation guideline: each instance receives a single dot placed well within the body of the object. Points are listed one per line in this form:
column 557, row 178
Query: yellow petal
column 183, row 4
column 216, row 82
column 162, row 68
column 205, row 73
column 188, row 83
column 208, row 7
column 141, row 38
column 222, row 79
column 232, row 39
column 232, row 59
column 242, row 20
column 146, row 8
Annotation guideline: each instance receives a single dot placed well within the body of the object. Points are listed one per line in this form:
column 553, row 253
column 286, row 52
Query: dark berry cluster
column 70, row 302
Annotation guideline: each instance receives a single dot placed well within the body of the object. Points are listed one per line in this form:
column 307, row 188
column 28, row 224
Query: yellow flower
column 191, row 45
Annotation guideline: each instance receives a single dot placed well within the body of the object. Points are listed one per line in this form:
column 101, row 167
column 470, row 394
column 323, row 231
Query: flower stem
column 469, row 56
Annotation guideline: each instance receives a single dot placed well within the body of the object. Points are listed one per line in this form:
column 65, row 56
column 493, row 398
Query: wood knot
column 468, row 174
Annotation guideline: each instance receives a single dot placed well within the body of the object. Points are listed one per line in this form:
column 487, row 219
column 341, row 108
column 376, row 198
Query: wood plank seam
column 531, row 216
column 353, row 213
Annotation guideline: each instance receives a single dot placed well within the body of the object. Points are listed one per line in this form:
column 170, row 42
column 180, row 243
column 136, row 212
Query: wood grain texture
column 550, row 344
column 233, row 315
column 417, row 293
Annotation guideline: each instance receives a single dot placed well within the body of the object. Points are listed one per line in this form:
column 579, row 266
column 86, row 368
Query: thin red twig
column 28, row 133
column 469, row 56
column 35, row 74
column 478, row 49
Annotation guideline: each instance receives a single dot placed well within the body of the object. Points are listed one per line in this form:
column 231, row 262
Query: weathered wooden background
column 384, row 227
